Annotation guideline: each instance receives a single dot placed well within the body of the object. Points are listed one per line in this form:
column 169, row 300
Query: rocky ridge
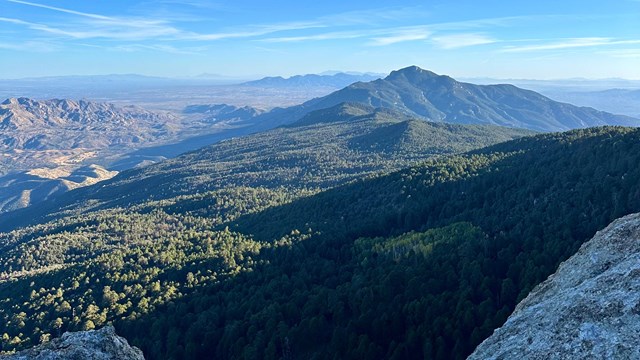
column 50, row 146
column 103, row 344
column 588, row 309
column 57, row 124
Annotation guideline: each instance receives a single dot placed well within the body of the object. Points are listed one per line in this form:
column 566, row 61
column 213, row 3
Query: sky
column 250, row 38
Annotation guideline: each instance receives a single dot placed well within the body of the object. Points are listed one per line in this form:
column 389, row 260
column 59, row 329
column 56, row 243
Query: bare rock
column 101, row 344
column 588, row 309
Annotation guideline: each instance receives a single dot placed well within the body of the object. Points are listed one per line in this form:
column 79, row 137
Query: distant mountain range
column 337, row 81
column 619, row 101
column 439, row 98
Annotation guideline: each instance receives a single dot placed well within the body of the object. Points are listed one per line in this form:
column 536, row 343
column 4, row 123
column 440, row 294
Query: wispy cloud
column 481, row 23
column 199, row 4
column 31, row 46
column 106, row 27
column 96, row 26
column 374, row 27
column 89, row 15
column 102, row 19
column 569, row 44
column 317, row 37
column 156, row 47
column 192, row 50
column 375, row 37
column 456, row 41
column 134, row 32
column 387, row 36
column 402, row 35
column 253, row 31
column 373, row 17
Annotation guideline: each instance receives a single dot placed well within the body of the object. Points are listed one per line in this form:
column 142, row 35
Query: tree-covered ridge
column 420, row 263
column 297, row 160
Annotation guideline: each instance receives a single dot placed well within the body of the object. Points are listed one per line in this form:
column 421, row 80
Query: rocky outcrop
column 588, row 309
column 101, row 344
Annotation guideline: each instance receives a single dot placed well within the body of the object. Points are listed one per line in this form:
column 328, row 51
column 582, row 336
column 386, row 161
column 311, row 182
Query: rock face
column 588, row 309
column 101, row 344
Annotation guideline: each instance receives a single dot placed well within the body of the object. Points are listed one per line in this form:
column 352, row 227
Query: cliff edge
column 588, row 309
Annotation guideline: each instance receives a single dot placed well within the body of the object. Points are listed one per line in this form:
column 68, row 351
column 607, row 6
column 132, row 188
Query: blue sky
column 516, row 39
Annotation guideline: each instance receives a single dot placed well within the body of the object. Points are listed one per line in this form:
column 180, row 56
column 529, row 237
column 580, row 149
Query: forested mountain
column 420, row 263
column 421, row 93
column 326, row 148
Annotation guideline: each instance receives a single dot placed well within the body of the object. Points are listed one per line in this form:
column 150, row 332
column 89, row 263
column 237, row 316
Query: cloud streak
column 95, row 26
column 402, row 35
column 31, row 46
column 339, row 35
column 456, row 41
column 105, row 32
column 569, row 43
column 254, row 31
column 92, row 16
column 373, row 28
column 623, row 53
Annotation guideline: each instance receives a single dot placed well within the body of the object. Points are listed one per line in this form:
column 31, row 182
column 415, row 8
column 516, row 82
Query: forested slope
column 423, row 262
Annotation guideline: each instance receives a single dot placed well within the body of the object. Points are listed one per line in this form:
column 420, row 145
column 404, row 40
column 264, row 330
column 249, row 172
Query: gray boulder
column 101, row 344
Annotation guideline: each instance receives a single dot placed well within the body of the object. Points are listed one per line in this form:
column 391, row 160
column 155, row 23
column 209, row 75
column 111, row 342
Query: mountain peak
column 412, row 72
